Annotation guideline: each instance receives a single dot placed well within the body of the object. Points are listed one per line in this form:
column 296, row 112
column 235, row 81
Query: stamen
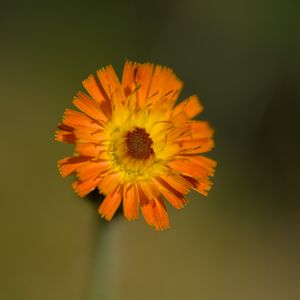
column 139, row 144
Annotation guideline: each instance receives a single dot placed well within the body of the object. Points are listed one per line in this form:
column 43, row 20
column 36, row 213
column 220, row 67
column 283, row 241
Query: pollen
column 139, row 144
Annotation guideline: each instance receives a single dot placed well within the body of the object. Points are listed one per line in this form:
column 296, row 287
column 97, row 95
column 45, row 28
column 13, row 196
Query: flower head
column 134, row 144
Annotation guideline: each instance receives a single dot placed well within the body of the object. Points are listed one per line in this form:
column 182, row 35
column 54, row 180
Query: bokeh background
column 242, row 241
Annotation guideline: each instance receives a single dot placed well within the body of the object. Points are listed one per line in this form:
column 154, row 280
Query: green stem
column 106, row 264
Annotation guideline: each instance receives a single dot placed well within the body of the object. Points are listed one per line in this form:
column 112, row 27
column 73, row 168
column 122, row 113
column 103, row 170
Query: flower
column 135, row 145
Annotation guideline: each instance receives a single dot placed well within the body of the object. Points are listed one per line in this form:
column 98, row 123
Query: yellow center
column 132, row 153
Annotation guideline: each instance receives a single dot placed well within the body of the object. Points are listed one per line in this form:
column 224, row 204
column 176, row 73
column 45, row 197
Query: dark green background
column 239, row 243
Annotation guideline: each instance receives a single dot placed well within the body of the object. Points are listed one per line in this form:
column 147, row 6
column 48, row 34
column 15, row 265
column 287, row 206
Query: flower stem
column 105, row 265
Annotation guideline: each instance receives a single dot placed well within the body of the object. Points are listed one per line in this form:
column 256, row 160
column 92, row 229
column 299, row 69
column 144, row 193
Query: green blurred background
column 239, row 243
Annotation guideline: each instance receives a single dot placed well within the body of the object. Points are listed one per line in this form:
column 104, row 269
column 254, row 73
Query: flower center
column 139, row 144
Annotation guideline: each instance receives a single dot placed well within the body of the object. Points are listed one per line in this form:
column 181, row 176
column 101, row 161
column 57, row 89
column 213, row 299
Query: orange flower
column 135, row 145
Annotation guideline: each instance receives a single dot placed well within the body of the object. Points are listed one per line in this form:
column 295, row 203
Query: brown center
column 139, row 143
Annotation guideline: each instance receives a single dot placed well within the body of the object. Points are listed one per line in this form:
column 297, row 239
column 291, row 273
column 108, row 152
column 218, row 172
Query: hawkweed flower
column 135, row 145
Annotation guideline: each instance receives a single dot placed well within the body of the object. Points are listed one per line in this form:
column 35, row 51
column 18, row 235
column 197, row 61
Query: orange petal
column 110, row 205
column 154, row 211
column 177, row 202
column 175, row 181
column 90, row 149
column 113, row 88
column 94, row 88
column 85, row 135
column 156, row 215
column 65, row 127
column 109, row 182
column 65, row 136
column 204, row 163
column 76, row 119
column 177, row 134
column 161, row 215
column 89, row 107
column 191, row 106
column 110, row 82
column 82, row 188
column 128, row 81
column 136, row 81
column 203, row 187
column 196, row 146
column 196, row 130
column 130, row 202
column 192, row 180
column 193, row 137
column 201, row 129
column 143, row 78
column 70, row 164
column 187, row 167
column 149, row 189
column 165, row 86
column 92, row 169
column 180, row 119
column 173, row 196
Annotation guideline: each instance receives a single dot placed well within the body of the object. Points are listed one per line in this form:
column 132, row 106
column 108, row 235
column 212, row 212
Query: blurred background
column 242, row 241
